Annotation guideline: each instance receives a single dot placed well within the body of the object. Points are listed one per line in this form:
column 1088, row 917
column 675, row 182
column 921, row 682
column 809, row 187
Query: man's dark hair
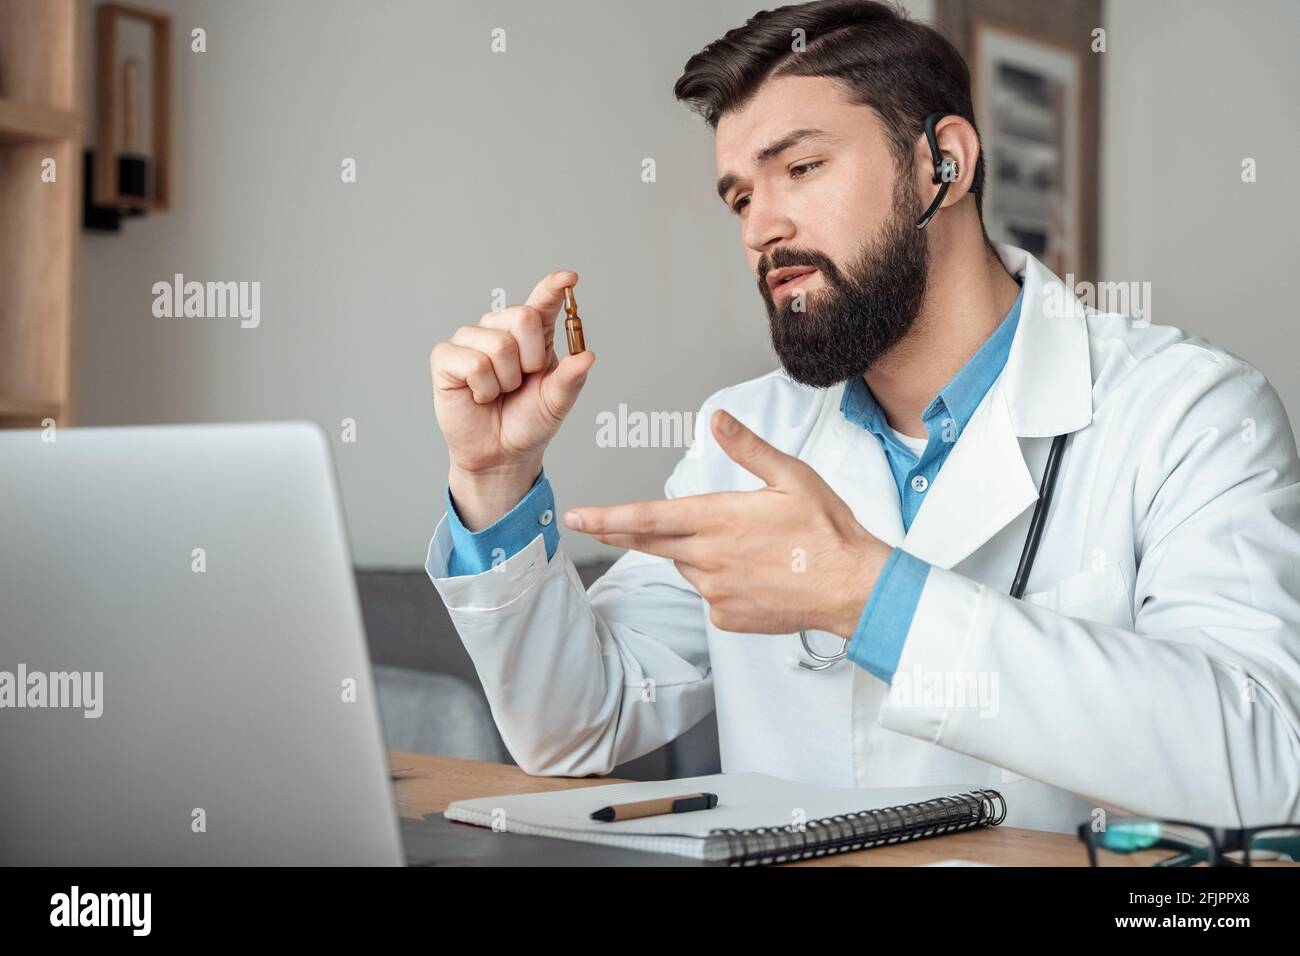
column 902, row 69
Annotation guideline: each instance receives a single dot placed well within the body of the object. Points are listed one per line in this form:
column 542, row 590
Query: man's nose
column 766, row 227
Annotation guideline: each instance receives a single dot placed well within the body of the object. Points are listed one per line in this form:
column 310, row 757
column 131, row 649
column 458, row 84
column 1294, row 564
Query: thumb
column 562, row 384
column 752, row 453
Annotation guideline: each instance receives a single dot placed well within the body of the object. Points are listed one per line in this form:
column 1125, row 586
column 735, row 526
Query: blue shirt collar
column 956, row 400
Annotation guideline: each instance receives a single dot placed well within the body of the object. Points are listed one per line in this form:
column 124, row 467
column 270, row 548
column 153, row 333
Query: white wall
column 1190, row 89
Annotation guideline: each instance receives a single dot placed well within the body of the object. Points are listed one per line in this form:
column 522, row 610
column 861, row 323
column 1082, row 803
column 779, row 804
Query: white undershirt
column 916, row 444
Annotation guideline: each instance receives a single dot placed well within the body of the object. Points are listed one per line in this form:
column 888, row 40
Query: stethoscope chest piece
column 820, row 661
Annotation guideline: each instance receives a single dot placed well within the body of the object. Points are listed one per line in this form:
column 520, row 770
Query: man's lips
column 786, row 280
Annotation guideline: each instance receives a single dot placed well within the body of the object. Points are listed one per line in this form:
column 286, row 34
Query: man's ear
column 956, row 138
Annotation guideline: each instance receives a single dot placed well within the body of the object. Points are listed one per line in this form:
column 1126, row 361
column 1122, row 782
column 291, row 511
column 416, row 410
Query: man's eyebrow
column 775, row 148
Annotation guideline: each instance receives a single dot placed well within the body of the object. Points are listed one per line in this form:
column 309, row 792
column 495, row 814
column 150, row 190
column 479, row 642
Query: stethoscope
column 1027, row 555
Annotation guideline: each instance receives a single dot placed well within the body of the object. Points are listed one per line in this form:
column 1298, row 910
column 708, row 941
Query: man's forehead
column 780, row 106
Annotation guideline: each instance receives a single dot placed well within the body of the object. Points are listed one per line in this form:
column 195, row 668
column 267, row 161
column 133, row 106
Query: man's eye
column 794, row 171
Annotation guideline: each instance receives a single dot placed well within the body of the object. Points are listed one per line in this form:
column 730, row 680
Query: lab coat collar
column 1049, row 372
column 1044, row 390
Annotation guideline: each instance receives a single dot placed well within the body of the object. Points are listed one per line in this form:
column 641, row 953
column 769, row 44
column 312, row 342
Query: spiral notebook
column 759, row 819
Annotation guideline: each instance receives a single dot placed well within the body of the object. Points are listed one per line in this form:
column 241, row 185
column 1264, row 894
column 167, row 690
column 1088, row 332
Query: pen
column 653, row 808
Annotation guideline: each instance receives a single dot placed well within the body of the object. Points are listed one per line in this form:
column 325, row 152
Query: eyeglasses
column 1143, row 841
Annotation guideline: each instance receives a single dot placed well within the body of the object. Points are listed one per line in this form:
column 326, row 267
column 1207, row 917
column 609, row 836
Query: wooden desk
column 427, row 784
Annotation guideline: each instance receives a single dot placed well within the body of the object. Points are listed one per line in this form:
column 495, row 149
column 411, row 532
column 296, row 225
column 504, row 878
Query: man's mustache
column 796, row 259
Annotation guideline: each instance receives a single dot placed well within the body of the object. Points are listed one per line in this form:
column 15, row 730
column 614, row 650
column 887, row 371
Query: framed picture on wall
column 1027, row 92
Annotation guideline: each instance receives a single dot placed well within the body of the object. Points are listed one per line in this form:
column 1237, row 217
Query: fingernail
column 573, row 520
column 726, row 424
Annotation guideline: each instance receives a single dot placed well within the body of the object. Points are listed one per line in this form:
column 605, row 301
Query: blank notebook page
column 745, row 801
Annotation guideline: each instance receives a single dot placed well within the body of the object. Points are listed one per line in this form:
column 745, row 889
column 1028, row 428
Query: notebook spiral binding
column 859, row 831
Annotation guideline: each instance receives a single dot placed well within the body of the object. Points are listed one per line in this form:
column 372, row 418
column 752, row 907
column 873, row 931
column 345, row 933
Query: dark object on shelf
column 98, row 218
column 101, row 218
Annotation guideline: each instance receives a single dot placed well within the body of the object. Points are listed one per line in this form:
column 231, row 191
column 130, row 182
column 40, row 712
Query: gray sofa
column 430, row 697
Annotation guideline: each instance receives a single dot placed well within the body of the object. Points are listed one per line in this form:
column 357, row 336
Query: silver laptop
column 183, row 671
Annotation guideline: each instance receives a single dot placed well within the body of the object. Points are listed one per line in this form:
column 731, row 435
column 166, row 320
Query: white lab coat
column 1153, row 665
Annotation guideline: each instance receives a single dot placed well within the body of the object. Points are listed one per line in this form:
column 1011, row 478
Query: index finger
column 675, row 516
column 548, row 295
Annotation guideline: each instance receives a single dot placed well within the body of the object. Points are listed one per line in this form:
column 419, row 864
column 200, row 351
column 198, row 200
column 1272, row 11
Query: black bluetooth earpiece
column 946, row 169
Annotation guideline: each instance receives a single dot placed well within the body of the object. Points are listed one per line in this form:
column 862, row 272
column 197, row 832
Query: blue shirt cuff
column 877, row 643
column 474, row 552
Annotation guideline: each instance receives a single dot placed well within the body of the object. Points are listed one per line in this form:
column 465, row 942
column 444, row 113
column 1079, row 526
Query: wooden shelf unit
column 24, row 123
column 40, row 119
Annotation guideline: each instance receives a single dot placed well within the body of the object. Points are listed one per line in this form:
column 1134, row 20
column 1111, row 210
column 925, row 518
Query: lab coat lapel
column 980, row 489
column 1044, row 390
column 853, row 463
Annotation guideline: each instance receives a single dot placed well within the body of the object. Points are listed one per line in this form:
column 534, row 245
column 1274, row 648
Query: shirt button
column 919, row 484
column 547, row 517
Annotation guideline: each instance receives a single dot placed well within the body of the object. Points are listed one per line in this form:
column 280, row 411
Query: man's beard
column 846, row 326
